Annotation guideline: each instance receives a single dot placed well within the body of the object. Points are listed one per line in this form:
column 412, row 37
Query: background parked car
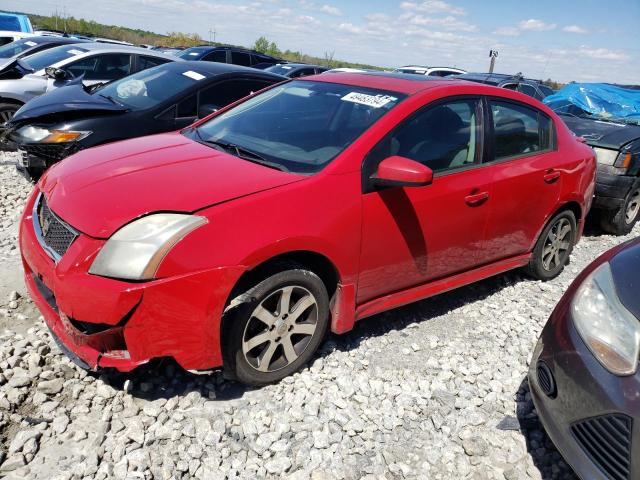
column 533, row 88
column 237, row 56
column 160, row 99
column 252, row 217
column 8, row 36
column 608, row 118
column 15, row 22
column 429, row 71
column 583, row 375
column 28, row 46
column 295, row 70
column 50, row 69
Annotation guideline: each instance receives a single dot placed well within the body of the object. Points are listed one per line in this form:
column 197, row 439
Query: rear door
column 412, row 235
column 527, row 177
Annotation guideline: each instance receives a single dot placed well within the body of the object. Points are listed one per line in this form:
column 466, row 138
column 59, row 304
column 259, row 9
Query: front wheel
column 7, row 110
column 279, row 328
column 553, row 248
column 622, row 221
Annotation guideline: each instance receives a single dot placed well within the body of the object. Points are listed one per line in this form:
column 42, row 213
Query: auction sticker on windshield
column 192, row 74
column 375, row 101
column 73, row 51
column 30, row 43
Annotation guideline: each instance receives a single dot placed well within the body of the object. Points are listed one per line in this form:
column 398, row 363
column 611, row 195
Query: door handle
column 476, row 199
column 551, row 176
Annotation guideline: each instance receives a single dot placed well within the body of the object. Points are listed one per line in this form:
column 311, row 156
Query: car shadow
column 164, row 378
column 544, row 453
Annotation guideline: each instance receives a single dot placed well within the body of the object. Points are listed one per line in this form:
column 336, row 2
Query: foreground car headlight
column 135, row 251
column 611, row 332
column 43, row 135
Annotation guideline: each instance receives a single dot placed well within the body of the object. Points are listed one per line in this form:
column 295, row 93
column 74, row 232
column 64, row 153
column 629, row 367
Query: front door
column 412, row 235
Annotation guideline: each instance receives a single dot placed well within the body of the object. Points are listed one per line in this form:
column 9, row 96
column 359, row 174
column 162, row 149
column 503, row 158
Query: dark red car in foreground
column 241, row 240
column 584, row 375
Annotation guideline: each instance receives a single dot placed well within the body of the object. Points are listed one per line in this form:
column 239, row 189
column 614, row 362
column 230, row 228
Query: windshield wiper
column 241, row 152
column 110, row 98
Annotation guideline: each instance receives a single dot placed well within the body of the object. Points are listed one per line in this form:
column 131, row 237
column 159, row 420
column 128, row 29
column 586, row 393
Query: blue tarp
column 599, row 99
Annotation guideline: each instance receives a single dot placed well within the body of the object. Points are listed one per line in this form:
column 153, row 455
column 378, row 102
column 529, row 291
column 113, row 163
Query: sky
column 581, row 40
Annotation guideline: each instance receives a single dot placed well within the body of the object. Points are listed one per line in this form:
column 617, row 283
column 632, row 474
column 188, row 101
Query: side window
column 148, row 62
column 528, row 90
column 519, row 130
column 240, row 58
column 101, row 67
column 188, row 107
column 442, row 137
column 226, row 92
column 303, row 72
column 219, row 56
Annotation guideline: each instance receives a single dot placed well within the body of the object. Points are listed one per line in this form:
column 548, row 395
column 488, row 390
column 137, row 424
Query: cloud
column 447, row 23
column 331, row 10
column 602, row 53
column 575, row 29
column 433, row 6
column 325, row 8
column 536, row 25
column 507, row 31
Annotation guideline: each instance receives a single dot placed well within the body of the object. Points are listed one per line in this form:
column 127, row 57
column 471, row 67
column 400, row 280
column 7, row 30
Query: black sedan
column 584, row 375
column 533, row 88
column 296, row 70
column 160, row 99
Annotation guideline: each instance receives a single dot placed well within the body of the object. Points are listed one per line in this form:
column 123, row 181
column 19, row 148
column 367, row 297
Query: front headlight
column 43, row 135
column 611, row 332
column 606, row 156
column 135, row 251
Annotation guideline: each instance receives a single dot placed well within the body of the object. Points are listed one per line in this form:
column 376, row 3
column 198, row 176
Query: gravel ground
column 434, row 390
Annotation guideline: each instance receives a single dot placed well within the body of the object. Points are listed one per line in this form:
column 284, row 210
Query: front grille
column 51, row 152
column 54, row 235
column 607, row 441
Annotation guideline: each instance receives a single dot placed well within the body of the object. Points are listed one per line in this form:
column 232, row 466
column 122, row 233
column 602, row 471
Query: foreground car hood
column 602, row 134
column 100, row 189
column 72, row 98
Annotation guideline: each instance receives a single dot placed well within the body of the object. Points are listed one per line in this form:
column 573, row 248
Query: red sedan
column 240, row 241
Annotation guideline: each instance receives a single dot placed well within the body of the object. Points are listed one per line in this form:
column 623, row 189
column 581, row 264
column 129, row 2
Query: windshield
column 299, row 126
column 48, row 57
column 13, row 49
column 193, row 53
column 281, row 69
column 10, row 23
column 150, row 87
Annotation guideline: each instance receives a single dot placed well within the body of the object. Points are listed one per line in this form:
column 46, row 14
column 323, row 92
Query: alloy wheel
column 557, row 244
column 6, row 115
column 280, row 328
column 632, row 208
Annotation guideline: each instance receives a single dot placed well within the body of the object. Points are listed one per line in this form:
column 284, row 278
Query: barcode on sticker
column 192, row 74
column 375, row 101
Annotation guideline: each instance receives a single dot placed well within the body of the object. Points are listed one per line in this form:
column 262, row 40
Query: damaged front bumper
column 101, row 322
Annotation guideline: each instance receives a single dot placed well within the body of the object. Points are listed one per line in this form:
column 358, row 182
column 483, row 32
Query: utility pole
column 212, row 32
column 493, row 54
column 56, row 17
column 64, row 15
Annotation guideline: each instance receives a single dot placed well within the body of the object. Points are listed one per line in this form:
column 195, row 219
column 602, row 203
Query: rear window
column 10, row 23
column 48, row 57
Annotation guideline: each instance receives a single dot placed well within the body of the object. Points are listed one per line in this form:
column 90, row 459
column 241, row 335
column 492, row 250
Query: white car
column 49, row 69
column 7, row 36
column 429, row 71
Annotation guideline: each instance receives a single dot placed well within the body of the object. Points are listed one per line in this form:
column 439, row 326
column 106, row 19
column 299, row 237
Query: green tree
column 262, row 45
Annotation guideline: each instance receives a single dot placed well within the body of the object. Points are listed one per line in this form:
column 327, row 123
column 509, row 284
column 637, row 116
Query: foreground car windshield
column 48, row 57
column 300, row 126
column 149, row 88
column 16, row 48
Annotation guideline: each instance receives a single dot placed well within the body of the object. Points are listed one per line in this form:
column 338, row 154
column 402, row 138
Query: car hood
column 624, row 268
column 100, row 189
column 601, row 133
column 72, row 99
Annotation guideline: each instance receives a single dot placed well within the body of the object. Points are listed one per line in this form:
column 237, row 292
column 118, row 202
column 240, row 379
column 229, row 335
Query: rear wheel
column 279, row 328
column 622, row 221
column 553, row 248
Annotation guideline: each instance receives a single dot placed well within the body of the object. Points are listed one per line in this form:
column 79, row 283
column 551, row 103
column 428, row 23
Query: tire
column 622, row 221
column 552, row 252
column 35, row 173
column 265, row 344
column 6, row 111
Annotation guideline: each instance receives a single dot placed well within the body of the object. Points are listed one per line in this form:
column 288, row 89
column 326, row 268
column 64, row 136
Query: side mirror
column 55, row 73
column 401, row 172
column 206, row 110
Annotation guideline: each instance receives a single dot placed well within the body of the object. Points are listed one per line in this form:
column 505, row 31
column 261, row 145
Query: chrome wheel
column 280, row 328
column 6, row 115
column 556, row 245
column 633, row 206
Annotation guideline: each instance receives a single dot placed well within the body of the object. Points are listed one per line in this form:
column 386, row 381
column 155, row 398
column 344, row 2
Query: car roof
column 494, row 78
column 395, row 82
column 117, row 48
column 41, row 39
column 210, row 69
